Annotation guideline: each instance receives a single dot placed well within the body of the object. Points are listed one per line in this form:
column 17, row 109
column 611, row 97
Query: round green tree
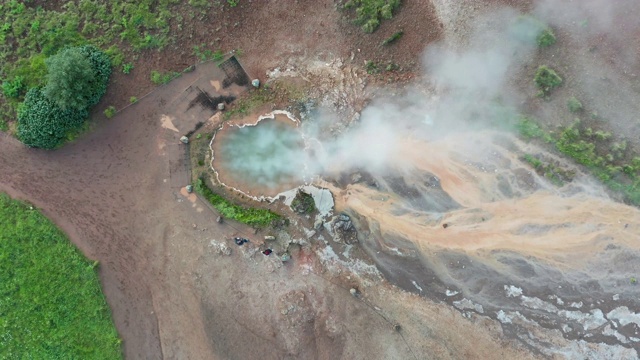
column 70, row 80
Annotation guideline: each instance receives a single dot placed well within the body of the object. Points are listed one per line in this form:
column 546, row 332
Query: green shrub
column 393, row 38
column 303, row 203
column 528, row 129
column 110, row 111
column 133, row 100
column 369, row 13
column 51, row 304
column 42, row 124
column 371, row 67
column 574, row 105
column 546, row 38
column 546, row 79
column 233, row 3
column 126, row 68
column 13, row 88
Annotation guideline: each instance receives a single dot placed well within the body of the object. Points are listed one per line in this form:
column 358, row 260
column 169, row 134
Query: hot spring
column 262, row 158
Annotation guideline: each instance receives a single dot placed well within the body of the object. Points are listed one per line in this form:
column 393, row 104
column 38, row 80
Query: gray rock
column 220, row 106
column 184, row 140
column 219, row 219
column 269, row 238
column 285, row 257
column 255, row 83
column 347, row 225
column 344, row 217
column 189, row 188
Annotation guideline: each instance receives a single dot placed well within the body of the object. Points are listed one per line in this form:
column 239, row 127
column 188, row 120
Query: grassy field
column 51, row 304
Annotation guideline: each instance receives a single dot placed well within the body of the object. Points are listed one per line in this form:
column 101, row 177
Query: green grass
column 160, row 78
column 250, row 216
column 369, row 13
column 29, row 33
column 51, row 304
column 204, row 54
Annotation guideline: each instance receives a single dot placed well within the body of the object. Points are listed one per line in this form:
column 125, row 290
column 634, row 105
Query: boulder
column 184, row 140
column 220, row 106
column 255, row 83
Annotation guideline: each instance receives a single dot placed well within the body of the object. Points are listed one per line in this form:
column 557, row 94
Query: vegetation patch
column 51, row 304
column 250, row 216
column 110, row 111
column 32, row 31
column 610, row 161
column 204, row 54
column 160, row 78
column 546, row 79
column 529, row 30
column 574, row 105
column 369, row 13
column 303, row 203
column 77, row 78
column 549, row 169
column 393, row 38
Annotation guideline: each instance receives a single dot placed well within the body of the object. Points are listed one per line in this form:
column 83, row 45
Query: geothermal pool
column 260, row 159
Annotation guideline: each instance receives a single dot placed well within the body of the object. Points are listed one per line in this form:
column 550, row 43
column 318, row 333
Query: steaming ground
column 446, row 207
column 570, row 252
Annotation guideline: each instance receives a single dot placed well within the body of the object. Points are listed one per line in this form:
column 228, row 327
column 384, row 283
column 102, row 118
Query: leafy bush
column 42, row 124
column 370, row 12
column 101, row 65
column 546, row 79
column 133, row 100
column 51, row 305
column 110, row 112
column 233, row 3
column 574, row 105
column 249, row 216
